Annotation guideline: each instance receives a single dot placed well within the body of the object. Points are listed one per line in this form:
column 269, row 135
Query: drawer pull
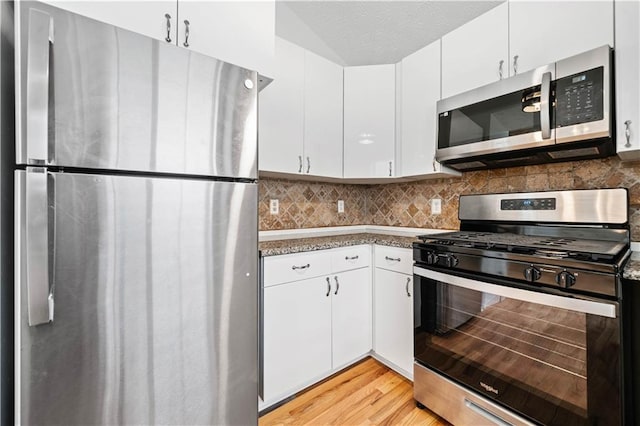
column 294, row 267
column 392, row 259
column 351, row 258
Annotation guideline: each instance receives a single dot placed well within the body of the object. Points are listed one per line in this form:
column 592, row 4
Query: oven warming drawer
column 456, row 404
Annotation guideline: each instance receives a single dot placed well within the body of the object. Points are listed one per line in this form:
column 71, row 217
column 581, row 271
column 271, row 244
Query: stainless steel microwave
column 558, row 112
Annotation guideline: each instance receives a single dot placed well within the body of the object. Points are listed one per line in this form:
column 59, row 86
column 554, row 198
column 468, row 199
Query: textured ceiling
column 360, row 32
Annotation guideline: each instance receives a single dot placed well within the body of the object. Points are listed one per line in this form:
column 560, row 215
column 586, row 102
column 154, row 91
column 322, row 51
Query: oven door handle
column 583, row 305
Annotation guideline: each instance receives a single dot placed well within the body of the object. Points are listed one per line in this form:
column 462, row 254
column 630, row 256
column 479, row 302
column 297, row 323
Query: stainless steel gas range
column 518, row 315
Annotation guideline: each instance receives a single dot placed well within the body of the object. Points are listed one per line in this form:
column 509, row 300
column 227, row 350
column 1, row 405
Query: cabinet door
column 281, row 116
column 420, row 90
column 322, row 116
column 541, row 32
column 297, row 336
column 369, row 121
column 471, row 54
column 239, row 32
column 351, row 315
column 627, row 71
column 393, row 318
column 144, row 17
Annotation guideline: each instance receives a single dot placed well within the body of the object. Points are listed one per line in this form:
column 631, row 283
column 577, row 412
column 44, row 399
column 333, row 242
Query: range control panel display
column 528, row 204
column 579, row 98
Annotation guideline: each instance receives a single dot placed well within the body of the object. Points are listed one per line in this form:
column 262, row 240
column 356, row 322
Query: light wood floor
column 368, row 393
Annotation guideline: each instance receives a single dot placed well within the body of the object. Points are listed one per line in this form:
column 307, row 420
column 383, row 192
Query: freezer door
column 95, row 96
column 149, row 300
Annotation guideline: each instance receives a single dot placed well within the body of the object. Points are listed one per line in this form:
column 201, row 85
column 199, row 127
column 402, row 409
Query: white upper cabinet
column 322, row 116
column 627, row 68
column 419, row 91
column 472, row 53
column 541, row 32
column 369, row 121
column 281, row 112
column 144, row 17
column 238, row 32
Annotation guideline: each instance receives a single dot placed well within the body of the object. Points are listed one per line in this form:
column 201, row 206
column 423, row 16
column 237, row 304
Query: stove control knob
column 431, row 258
column 566, row 279
column 450, row 261
column 532, row 274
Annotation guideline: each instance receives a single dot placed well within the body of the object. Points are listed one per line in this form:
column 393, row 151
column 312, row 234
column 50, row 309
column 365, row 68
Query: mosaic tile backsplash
column 308, row 205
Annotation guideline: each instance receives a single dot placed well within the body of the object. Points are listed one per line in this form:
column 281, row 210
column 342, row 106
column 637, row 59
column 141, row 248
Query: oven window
column 491, row 119
column 552, row 365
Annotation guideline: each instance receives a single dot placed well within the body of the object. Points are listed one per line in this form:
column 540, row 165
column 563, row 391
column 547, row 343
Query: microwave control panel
column 579, row 98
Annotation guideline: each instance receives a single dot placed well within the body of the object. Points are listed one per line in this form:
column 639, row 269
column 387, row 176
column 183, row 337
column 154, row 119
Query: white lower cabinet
column 393, row 308
column 317, row 325
column 393, row 324
column 297, row 335
column 351, row 316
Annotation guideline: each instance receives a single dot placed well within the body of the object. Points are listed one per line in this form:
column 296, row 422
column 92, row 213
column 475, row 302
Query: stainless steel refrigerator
column 136, row 282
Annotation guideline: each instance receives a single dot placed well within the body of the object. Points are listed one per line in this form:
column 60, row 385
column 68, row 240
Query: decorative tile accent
column 307, row 205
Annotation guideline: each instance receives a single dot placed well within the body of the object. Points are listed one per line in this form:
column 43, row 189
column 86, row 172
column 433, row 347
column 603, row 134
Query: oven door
column 555, row 360
column 511, row 114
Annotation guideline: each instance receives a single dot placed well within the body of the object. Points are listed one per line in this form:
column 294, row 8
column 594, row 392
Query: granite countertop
column 632, row 268
column 277, row 247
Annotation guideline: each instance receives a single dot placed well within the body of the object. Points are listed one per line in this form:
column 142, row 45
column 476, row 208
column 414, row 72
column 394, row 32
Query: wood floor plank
column 368, row 393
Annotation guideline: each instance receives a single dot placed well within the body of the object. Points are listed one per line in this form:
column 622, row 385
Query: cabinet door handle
column 500, row 68
column 328, row 287
column 299, row 163
column 186, row 33
column 434, row 164
column 294, row 267
column 627, row 133
column 406, row 287
column 392, row 259
column 351, row 258
column 390, row 167
column 515, row 64
column 308, row 164
column 337, row 284
column 168, row 37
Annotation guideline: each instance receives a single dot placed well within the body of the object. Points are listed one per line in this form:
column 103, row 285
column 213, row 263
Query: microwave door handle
column 40, row 39
column 545, row 105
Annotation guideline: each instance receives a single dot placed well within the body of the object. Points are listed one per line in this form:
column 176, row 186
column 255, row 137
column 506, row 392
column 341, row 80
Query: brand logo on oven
column 489, row 388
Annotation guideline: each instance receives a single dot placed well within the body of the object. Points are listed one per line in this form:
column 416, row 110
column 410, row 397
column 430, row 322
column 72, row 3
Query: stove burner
column 557, row 254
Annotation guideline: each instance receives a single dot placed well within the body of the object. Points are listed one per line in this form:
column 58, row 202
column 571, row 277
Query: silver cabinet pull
column 299, row 163
column 168, row 37
column 392, row 259
column 390, row 168
column 351, row 258
column 40, row 38
column 434, row 164
column 328, row 287
column 33, row 185
column 515, row 64
column 295, row 268
column 308, row 164
column 500, row 68
column 186, row 33
column 337, row 284
column 627, row 133
column 545, row 94
column 406, row 287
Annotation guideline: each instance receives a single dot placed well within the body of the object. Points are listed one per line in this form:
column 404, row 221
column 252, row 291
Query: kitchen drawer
column 294, row 267
column 394, row 259
column 345, row 259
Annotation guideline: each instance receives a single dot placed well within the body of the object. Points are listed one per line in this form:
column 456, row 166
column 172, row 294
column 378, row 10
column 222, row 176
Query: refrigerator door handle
column 40, row 39
column 39, row 291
